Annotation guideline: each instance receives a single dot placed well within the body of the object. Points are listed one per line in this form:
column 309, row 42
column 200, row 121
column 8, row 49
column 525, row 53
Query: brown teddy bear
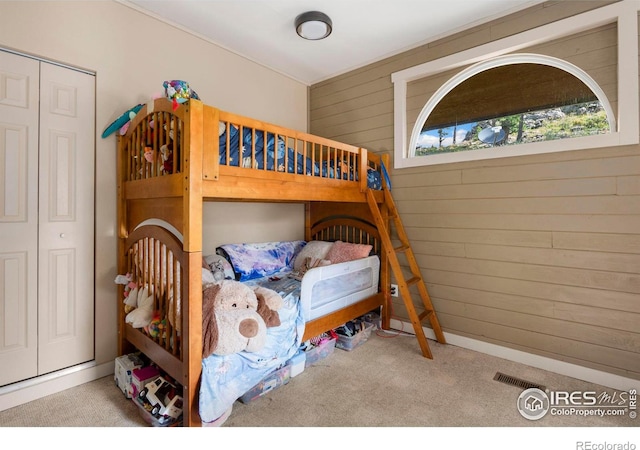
column 231, row 319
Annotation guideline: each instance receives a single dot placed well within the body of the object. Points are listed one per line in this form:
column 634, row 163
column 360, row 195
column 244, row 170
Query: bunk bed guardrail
column 157, row 143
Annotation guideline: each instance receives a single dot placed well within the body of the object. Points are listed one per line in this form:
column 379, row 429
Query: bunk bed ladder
column 403, row 283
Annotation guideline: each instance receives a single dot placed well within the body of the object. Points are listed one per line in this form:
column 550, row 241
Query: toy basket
column 349, row 343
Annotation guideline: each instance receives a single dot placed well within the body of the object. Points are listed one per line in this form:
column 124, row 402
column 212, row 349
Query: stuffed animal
column 166, row 152
column 309, row 263
column 157, row 326
column 131, row 299
column 230, row 319
column 122, row 122
column 178, row 91
column 217, row 269
column 269, row 302
column 130, row 302
column 143, row 313
column 209, row 275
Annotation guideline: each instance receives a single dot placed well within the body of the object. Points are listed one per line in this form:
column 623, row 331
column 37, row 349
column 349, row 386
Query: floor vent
column 518, row 382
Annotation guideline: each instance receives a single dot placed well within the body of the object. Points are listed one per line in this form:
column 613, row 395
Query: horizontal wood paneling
column 561, row 348
column 585, row 168
column 629, row 185
column 515, row 189
column 545, row 222
column 622, row 243
column 503, row 237
column 581, row 332
column 597, row 204
column 578, row 295
column 531, row 306
column 595, row 279
column 540, row 253
column 613, row 262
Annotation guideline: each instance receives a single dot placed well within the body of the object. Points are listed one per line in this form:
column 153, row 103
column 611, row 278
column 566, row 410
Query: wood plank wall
column 537, row 253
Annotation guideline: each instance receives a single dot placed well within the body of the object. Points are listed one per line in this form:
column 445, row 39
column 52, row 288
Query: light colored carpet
column 384, row 383
column 387, row 383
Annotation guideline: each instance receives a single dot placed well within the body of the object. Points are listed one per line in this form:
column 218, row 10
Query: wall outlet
column 394, row 290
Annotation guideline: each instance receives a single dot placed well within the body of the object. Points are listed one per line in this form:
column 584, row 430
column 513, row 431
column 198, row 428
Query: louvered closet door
column 47, row 160
column 18, row 217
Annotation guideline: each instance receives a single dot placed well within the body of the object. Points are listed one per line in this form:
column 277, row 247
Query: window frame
column 625, row 129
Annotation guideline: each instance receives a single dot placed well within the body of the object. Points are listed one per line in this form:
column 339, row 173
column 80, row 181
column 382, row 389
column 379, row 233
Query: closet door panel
column 66, row 232
column 19, row 97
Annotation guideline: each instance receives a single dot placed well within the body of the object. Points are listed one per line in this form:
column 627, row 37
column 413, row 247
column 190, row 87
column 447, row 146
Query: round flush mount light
column 313, row 25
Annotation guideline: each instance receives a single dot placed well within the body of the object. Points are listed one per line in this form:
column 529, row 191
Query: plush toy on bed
column 269, row 302
column 130, row 302
column 230, row 319
column 122, row 122
column 178, row 92
column 142, row 314
column 166, row 153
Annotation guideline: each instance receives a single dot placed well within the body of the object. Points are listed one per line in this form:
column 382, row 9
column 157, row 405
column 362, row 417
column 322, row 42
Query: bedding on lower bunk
column 322, row 290
column 226, row 378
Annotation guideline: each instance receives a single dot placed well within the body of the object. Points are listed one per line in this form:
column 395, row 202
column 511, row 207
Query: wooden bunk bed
column 171, row 160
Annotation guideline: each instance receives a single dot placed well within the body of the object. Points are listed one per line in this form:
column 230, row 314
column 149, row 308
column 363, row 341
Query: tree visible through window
column 510, row 104
column 582, row 119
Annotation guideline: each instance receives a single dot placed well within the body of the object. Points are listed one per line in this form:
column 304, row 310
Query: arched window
column 510, row 100
column 513, row 96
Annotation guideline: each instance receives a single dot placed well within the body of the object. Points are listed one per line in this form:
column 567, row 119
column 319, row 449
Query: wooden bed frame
column 335, row 209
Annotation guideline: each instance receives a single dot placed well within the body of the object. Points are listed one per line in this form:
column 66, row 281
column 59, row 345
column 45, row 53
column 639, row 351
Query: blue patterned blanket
column 250, row 261
column 227, row 378
column 284, row 159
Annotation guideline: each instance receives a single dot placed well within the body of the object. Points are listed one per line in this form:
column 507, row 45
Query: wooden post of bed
column 385, row 269
column 211, row 144
column 192, row 244
column 124, row 346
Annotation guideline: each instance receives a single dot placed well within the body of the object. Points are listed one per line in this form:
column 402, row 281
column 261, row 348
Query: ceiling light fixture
column 313, row 25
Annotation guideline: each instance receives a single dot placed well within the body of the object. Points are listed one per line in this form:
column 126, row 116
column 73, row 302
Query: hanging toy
column 122, row 122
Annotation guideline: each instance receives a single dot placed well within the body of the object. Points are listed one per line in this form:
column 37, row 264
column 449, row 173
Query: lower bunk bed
column 323, row 282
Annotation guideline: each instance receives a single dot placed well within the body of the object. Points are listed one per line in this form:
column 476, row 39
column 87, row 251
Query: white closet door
column 18, row 217
column 66, row 218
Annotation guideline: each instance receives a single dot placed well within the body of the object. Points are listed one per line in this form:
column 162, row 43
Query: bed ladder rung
column 425, row 314
column 383, row 225
column 401, row 249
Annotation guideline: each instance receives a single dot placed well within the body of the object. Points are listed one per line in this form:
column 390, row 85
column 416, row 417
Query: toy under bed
column 321, row 291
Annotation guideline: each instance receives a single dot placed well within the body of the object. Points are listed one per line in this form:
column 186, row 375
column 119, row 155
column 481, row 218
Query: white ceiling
column 364, row 31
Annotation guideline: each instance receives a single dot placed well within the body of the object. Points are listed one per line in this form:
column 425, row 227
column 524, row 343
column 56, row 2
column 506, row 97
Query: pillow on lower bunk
column 345, row 251
column 259, row 260
column 316, row 250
